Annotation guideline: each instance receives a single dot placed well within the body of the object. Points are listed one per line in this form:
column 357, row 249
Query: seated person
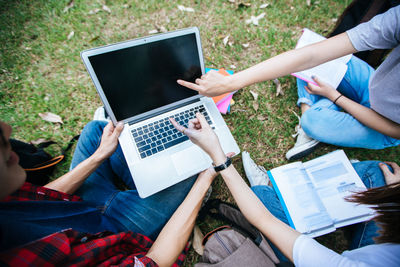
column 83, row 218
column 370, row 99
column 298, row 248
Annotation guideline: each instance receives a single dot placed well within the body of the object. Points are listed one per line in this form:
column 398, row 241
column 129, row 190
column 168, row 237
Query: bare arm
column 71, row 181
column 213, row 83
column 175, row 234
column 275, row 230
column 366, row 116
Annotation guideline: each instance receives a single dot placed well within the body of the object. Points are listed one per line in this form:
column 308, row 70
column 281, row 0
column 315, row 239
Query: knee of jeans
column 310, row 122
column 370, row 173
column 94, row 126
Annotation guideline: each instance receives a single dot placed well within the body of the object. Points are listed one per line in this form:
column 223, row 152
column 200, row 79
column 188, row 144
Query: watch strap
column 223, row 166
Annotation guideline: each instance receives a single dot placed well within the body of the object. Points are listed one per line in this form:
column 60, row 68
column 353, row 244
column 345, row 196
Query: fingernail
column 313, row 76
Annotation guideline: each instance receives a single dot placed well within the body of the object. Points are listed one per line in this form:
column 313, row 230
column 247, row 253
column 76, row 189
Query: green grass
column 41, row 70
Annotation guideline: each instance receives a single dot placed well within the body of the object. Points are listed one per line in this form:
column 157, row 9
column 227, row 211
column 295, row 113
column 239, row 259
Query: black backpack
column 38, row 164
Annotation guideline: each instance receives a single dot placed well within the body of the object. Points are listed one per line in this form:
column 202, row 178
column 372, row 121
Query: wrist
column 333, row 95
column 219, row 158
column 97, row 157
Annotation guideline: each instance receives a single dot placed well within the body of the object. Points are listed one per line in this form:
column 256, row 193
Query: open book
column 331, row 72
column 312, row 194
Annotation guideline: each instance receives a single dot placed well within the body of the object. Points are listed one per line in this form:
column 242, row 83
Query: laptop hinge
column 164, row 111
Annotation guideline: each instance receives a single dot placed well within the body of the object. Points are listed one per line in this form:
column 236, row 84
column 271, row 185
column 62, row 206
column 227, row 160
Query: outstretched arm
column 213, row 83
column 71, row 181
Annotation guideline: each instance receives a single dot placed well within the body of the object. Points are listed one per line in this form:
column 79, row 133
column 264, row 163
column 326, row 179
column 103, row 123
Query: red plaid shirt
column 72, row 248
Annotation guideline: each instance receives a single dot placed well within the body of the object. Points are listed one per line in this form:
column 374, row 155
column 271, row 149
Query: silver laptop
column 136, row 81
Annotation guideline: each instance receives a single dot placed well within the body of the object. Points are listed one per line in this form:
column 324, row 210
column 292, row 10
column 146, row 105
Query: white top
column 308, row 252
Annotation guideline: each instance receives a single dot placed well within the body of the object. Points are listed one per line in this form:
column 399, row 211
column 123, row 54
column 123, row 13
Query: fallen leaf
column 70, row 35
column 232, row 66
column 254, row 94
column 106, row 9
column 308, row 2
column 126, row 6
column 69, row 6
column 262, row 117
column 51, row 117
column 231, row 1
column 278, row 87
column 28, row 48
column 225, row 41
column 39, row 141
column 240, row 5
column 187, row 9
column 197, row 240
column 153, row 31
column 94, row 11
column 163, row 29
column 264, row 5
column 94, row 38
column 255, row 20
column 255, row 105
column 245, row 45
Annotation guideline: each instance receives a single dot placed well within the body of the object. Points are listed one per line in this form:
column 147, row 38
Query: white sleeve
column 308, row 252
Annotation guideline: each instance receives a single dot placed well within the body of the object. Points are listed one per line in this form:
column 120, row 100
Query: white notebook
column 331, row 72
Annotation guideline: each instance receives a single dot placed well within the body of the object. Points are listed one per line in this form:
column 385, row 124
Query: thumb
column 318, row 81
column 118, row 129
column 384, row 168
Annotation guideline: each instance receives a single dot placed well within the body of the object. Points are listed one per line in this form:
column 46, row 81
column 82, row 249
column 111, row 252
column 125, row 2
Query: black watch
column 223, row 166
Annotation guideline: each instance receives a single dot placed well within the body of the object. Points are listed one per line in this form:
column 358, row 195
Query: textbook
column 312, row 194
column 331, row 72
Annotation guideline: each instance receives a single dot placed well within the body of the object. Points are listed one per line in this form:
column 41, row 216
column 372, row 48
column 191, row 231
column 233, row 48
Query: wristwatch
column 223, row 166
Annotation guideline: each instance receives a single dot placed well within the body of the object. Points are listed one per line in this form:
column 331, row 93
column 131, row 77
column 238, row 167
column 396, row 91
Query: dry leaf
column 163, row 29
column 225, row 41
column 245, row 45
column 244, row 5
column 197, row 240
column 39, row 141
column 262, row 117
column 264, row 5
column 153, row 31
column 232, row 66
column 69, row 6
column 308, row 2
column 278, row 87
column 255, row 20
column 126, row 6
column 106, row 9
column 254, row 94
column 94, row 11
column 70, row 35
column 187, row 9
column 94, row 38
column 51, row 117
column 255, row 105
column 231, row 1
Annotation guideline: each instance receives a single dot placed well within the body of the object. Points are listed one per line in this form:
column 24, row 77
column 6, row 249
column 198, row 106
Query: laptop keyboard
column 160, row 135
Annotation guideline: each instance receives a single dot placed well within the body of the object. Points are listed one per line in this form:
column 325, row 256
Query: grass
column 41, row 70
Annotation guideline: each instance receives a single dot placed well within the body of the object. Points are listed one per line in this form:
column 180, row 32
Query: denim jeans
column 104, row 207
column 326, row 122
column 361, row 234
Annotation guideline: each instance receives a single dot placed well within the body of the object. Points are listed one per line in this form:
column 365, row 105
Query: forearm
column 175, row 234
column 280, row 234
column 367, row 116
column 293, row 61
column 71, row 181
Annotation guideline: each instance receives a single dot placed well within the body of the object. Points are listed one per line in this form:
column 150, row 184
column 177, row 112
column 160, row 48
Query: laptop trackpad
column 188, row 159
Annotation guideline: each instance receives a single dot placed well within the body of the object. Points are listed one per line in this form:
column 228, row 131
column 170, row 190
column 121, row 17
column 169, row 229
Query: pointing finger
column 189, row 85
column 202, row 120
column 177, row 126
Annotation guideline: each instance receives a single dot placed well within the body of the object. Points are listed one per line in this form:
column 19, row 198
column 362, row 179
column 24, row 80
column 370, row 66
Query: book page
column 334, row 178
column 331, row 72
column 302, row 205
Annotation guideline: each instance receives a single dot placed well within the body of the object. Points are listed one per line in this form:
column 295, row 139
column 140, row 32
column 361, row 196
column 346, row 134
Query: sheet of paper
column 331, row 72
column 334, row 178
column 306, row 211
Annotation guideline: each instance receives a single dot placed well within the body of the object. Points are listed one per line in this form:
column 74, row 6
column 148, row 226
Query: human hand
column 390, row 177
column 210, row 84
column 209, row 174
column 322, row 89
column 201, row 134
column 109, row 140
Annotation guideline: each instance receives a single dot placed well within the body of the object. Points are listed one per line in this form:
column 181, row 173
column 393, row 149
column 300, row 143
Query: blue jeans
column 325, row 121
column 362, row 233
column 104, row 207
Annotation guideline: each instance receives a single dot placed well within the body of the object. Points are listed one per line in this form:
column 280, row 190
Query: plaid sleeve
column 30, row 192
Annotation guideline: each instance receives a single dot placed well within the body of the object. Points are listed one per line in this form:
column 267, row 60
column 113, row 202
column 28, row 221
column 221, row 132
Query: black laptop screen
column 141, row 78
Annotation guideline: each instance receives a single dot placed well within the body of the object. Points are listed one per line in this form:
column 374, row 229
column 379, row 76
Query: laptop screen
column 140, row 78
